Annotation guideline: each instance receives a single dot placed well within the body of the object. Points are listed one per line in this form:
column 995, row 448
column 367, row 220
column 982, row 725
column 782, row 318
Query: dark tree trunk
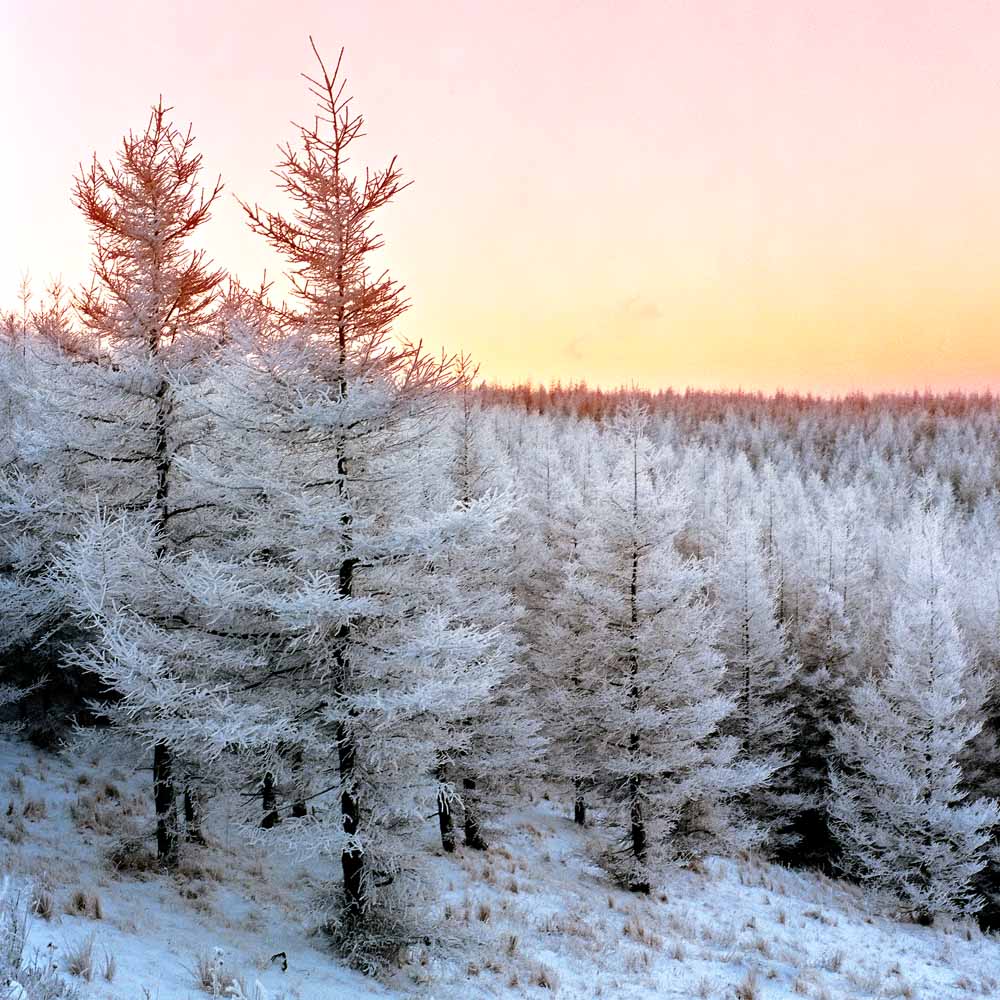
column 638, row 837
column 269, row 802
column 192, row 817
column 352, row 859
column 299, row 808
column 638, row 883
column 473, row 832
column 446, row 820
column 579, row 803
column 164, row 800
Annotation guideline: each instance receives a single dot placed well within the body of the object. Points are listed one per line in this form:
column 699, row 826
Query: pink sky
column 763, row 194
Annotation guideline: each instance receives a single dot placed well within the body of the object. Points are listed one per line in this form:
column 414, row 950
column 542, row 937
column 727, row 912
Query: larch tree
column 364, row 648
column 646, row 644
column 149, row 314
column 760, row 670
column 489, row 754
column 561, row 683
column 899, row 806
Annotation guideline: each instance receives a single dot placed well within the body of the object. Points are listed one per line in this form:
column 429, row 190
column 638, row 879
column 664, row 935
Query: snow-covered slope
column 533, row 916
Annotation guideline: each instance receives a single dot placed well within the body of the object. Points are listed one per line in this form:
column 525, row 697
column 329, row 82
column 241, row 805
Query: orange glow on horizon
column 752, row 194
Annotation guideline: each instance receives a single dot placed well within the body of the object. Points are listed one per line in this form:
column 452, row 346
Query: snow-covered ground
column 534, row 916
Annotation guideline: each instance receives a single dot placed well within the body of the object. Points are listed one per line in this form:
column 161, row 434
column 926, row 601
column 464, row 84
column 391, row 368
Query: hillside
column 532, row 917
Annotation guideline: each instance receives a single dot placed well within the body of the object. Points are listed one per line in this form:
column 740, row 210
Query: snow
column 157, row 927
column 533, row 909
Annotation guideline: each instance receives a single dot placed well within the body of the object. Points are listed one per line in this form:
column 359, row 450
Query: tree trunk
column 473, row 832
column 579, row 803
column 192, row 817
column 638, row 837
column 269, row 802
column 164, row 800
column 446, row 820
column 299, row 808
column 352, row 859
column 638, row 831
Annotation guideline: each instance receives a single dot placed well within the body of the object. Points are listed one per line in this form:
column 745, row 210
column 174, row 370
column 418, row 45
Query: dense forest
column 273, row 546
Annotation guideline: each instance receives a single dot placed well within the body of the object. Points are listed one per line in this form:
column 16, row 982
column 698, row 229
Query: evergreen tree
column 760, row 672
column 149, row 315
column 645, row 645
column 898, row 806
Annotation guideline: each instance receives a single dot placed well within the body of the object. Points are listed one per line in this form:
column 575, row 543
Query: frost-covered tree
column 561, row 685
column 645, row 645
column 760, row 671
column 334, row 579
column 899, row 806
column 148, row 314
column 489, row 754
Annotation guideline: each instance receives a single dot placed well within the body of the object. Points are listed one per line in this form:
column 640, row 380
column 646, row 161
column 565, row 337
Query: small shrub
column 37, row 976
column 130, row 856
column 109, row 967
column 213, row 977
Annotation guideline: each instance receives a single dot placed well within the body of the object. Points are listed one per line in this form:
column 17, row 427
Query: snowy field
column 534, row 916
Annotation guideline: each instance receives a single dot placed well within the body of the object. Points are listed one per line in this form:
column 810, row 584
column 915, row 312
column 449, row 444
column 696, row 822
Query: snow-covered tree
column 149, row 314
column 645, row 648
column 558, row 531
column 760, row 671
column 489, row 754
column 355, row 643
column 899, row 808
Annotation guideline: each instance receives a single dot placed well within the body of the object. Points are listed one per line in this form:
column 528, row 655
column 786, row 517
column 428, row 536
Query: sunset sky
column 759, row 194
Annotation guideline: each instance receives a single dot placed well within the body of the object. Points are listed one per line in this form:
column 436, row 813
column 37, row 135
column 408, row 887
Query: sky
column 772, row 194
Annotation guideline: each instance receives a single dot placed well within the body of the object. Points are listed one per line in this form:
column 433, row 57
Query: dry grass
column 749, row 988
column 35, row 809
column 12, row 828
column 106, row 811
column 834, row 962
column 544, row 977
column 85, row 904
column 212, row 976
column 109, row 967
column 635, row 929
column 703, row 988
column 130, row 856
column 42, row 904
column 80, row 959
